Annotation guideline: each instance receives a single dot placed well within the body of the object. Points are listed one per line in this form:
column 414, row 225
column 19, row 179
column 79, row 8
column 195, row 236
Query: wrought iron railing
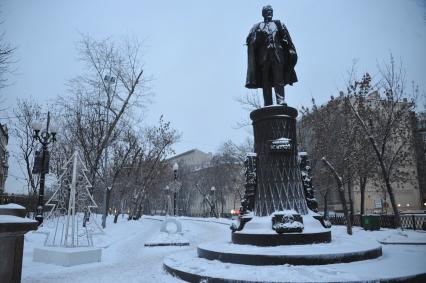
column 408, row 221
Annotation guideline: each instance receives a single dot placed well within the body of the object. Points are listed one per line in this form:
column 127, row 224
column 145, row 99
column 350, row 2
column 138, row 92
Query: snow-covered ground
column 126, row 259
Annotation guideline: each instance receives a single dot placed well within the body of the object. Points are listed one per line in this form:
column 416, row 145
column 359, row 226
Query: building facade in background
column 205, row 181
column 420, row 124
column 409, row 193
column 194, row 159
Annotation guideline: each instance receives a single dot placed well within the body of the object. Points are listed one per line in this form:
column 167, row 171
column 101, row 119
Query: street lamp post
column 45, row 138
column 175, row 178
column 167, row 189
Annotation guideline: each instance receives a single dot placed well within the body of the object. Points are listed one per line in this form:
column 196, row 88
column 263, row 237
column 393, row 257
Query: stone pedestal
column 12, row 230
column 279, row 183
column 281, row 215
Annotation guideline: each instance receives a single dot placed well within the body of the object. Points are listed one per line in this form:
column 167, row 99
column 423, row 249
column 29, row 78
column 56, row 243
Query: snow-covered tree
column 327, row 130
column 383, row 110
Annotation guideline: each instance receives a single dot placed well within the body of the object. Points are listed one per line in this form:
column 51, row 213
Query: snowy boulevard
column 126, row 259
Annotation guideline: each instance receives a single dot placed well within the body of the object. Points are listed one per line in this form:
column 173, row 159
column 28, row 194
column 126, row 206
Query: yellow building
column 409, row 194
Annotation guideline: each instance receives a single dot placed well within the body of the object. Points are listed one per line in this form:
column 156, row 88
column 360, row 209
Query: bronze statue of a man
column 271, row 58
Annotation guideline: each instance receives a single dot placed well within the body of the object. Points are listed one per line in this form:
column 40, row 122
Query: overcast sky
column 196, row 54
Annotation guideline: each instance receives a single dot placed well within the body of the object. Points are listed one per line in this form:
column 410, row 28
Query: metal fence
column 408, row 221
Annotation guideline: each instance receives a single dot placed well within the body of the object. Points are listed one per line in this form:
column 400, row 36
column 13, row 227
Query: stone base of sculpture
column 216, row 261
column 67, row 256
column 294, row 255
column 280, row 214
column 269, row 231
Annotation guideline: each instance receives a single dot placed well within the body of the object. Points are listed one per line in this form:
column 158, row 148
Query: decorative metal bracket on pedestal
column 287, row 223
column 247, row 203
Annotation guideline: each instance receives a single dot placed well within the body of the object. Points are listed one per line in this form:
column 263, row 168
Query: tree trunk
column 389, row 189
column 341, row 191
column 326, row 206
column 133, row 207
column 362, row 185
column 351, row 202
column 393, row 203
column 138, row 210
column 30, row 207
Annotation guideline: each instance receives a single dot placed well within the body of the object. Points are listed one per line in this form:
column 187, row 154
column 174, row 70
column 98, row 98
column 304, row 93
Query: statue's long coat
column 254, row 75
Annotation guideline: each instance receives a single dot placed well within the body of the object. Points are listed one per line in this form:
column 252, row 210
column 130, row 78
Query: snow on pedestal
column 12, row 206
column 68, row 228
column 12, row 209
column 263, row 224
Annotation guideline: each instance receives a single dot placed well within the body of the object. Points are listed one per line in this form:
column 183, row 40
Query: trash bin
column 370, row 222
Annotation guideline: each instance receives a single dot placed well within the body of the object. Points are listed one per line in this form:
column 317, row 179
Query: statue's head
column 267, row 12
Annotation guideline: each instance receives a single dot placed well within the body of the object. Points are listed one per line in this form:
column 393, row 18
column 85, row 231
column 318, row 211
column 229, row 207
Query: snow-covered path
column 124, row 256
column 126, row 259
